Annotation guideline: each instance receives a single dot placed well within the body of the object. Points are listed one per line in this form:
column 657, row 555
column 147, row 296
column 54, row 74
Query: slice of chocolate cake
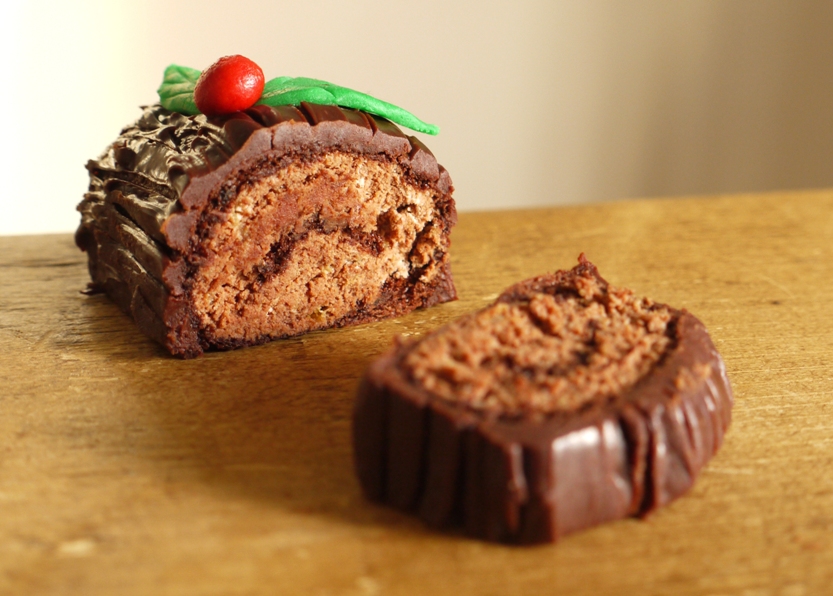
column 225, row 231
column 565, row 404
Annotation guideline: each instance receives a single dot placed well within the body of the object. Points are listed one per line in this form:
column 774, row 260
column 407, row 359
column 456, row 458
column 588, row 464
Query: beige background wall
column 540, row 102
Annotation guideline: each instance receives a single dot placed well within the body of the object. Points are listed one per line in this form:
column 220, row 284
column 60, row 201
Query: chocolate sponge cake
column 564, row 404
column 224, row 231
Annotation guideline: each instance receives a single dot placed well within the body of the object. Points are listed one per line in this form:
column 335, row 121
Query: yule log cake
column 308, row 210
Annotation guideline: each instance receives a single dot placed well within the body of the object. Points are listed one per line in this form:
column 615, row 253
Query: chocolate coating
column 535, row 478
column 158, row 193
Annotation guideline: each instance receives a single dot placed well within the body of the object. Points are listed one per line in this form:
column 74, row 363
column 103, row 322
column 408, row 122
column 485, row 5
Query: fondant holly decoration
column 231, row 84
column 181, row 84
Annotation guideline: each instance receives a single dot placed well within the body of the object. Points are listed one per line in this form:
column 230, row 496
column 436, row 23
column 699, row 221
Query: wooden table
column 126, row 471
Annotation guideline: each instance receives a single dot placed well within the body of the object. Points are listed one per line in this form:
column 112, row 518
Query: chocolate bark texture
column 565, row 404
column 221, row 232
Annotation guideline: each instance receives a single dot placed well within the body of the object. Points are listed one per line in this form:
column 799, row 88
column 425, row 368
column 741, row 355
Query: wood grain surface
column 125, row 471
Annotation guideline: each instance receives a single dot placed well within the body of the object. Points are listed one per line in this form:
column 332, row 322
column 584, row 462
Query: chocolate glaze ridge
column 153, row 190
column 535, row 479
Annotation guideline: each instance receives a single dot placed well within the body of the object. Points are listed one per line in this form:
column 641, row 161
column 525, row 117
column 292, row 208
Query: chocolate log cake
column 564, row 404
column 224, row 231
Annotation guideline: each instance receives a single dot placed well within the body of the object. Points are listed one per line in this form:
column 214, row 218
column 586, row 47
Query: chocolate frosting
column 156, row 185
column 535, row 479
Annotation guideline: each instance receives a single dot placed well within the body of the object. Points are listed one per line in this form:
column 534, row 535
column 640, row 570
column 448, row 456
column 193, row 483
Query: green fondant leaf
column 285, row 91
column 177, row 94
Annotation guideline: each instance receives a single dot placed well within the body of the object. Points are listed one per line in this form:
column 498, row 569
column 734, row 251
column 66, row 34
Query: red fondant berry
column 231, row 84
